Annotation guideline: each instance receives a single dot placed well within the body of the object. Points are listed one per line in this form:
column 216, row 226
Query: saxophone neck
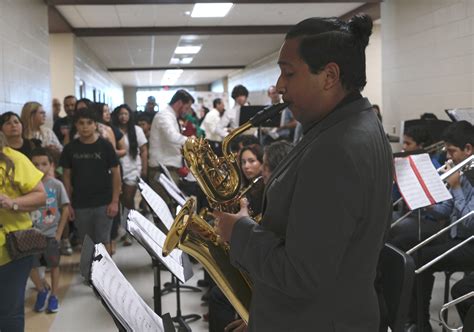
column 232, row 135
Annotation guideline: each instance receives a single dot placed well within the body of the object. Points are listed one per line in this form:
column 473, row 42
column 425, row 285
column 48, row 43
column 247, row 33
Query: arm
column 68, row 185
column 144, row 158
column 299, row 264
column 28, row 202
column 166, row 124
column 121, row 150
column 62, row 221
column 112, row 208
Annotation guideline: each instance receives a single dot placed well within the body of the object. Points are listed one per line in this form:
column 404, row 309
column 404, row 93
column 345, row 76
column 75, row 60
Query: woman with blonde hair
column 33, row 117
column 21, row 191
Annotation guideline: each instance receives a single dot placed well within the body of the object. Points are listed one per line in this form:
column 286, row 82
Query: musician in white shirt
column 214, row 133
column 231, row 117
column 166, row 140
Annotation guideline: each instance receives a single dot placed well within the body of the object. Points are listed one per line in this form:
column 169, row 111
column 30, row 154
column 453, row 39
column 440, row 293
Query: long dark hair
column 9, row 173
column 131, row 132
column 257, row 151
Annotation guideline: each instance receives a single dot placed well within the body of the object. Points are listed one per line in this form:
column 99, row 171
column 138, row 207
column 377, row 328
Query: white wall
column 61, row 55
column 427, row 51
column 24, row 60
column 89, row 69
column 263, row 73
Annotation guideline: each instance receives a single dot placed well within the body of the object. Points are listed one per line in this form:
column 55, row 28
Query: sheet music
column 152, row 239
column 433, row 182
column 409, row 186
column 125, row 303
column 167, row 172
column 461, row 114
column 172, row 190
column 156, row 203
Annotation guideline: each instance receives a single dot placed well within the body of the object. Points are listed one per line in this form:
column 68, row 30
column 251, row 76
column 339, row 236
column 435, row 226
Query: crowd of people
column 325, row 211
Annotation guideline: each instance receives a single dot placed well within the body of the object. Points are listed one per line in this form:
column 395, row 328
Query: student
column 459, row 142
column 92, row 179
column 50, row 219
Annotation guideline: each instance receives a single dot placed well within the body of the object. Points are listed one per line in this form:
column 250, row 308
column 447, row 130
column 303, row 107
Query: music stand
column 127, row 309
column 460, row 114
column 152, row 239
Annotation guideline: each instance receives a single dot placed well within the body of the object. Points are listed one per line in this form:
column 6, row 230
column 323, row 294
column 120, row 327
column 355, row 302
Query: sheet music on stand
column 419, row 182
column 460, row 114
column 172, row 190
column 152, row 239
column 156, row 203
column 120, row 297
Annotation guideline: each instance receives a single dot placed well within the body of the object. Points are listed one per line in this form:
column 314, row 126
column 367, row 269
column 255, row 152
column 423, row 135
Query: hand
column 454, row 180
column 6, row 202
column 112, row 209
column 225, row 221
column 72, row 214
column 57, row 237
column 236, row 326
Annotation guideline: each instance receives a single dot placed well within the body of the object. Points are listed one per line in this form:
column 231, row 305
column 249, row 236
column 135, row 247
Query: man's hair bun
column 360, row 26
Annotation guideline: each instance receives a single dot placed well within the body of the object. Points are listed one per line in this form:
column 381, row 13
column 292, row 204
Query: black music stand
column 85, row 265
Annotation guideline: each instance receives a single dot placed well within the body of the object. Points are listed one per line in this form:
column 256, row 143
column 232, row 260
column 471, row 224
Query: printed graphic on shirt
column 45, row 216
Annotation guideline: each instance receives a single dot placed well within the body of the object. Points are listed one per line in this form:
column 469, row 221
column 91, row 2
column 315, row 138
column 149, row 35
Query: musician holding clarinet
column 327, row 206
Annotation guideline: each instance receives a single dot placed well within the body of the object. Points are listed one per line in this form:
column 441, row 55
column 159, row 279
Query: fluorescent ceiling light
column 187, row 49
column 211, row 9
column 181, row 61
column 171, row 76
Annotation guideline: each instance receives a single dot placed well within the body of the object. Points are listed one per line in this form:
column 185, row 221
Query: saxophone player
column 327, row 206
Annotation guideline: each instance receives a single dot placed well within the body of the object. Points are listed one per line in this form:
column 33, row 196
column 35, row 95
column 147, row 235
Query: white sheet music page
column 120, row 296
column 153, row 239
column 409, row 185
column 156, row 203
column 172, row 190
column 430, row 176
column 463, row 114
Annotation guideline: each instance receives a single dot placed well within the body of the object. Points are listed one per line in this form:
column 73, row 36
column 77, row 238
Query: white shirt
column 166, row 140
column 230, row 118
column 214, row 132
column 130, row 165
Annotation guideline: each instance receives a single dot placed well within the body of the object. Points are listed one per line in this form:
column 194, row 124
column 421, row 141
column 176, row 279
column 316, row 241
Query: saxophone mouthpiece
column 267, row 113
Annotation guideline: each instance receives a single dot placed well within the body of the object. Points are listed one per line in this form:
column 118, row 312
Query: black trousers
column 404, row 235
column 462, row 287
column 461, row 259
column 221, row 312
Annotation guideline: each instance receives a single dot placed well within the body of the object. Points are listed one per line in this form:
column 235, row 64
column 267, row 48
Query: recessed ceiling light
column 211, row 9
column 181, row 61
column 187, row 49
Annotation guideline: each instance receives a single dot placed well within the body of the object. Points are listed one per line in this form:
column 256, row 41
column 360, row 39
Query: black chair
column 396, row 272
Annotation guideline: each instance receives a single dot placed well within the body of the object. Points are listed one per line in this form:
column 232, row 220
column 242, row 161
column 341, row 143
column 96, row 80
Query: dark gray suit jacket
column 327, row 206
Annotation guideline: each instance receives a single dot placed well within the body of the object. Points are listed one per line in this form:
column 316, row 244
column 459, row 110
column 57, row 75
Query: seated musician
column 221, row 312
column 418, row 138
column 313, row 258
column 459, row 141
column 463, row 287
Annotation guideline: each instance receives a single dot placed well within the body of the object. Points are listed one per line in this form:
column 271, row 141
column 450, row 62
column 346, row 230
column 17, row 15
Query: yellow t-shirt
column 27, row 177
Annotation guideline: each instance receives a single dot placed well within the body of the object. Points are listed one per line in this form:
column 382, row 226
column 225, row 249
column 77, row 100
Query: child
column 50, row 220
column 92, row 179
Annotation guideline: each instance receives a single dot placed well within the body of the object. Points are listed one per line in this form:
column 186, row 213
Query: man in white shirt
column 166, row 141
column 231, row 117
column 214, row 133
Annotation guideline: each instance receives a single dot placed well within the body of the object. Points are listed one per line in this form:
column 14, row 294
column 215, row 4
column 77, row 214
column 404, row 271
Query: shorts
column 50, row 257
column 95, row 223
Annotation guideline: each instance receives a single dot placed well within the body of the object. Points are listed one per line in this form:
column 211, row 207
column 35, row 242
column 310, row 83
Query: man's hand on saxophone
column 224, row 222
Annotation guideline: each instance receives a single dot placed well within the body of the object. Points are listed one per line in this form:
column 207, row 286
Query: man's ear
column 332, row 75
column 469, row 149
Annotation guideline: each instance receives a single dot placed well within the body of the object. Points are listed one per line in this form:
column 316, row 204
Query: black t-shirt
column 28, row 146
column 65, row 122
column 90, row 166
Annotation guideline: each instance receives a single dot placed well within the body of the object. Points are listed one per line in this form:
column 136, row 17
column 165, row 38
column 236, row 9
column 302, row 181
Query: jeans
column 13, row 277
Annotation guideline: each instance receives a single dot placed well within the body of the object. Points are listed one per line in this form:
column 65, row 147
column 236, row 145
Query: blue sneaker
column 41, row 298
column 53, row 304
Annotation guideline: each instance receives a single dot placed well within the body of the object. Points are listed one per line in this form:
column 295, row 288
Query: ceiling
column 130, row 37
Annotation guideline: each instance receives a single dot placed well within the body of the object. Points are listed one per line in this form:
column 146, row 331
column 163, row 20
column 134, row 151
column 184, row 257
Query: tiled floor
column 80, row 310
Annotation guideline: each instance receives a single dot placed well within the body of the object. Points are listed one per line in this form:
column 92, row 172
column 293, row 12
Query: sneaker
column 41, row 298
column 53, row 304
column 66, row 249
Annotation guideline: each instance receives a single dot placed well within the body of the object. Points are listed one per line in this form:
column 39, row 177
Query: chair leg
column 447, row 276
